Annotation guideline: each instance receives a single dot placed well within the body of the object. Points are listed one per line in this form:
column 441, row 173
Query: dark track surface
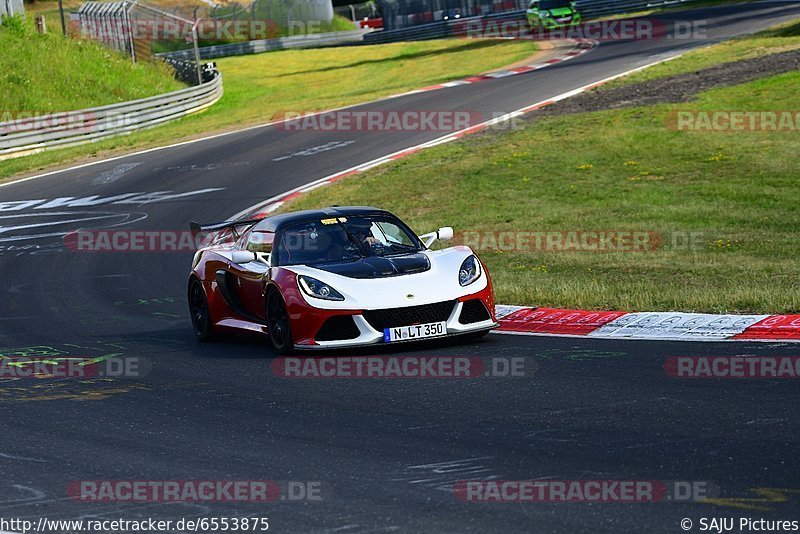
column 386, row 451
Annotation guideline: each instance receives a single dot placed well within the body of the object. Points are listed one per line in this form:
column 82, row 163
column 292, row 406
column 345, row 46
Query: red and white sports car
column 337, row 277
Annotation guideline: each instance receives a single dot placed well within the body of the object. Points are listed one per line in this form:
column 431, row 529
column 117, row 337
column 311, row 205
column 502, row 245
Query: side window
column 391, row 234
column 287, row 250
column 260, row 242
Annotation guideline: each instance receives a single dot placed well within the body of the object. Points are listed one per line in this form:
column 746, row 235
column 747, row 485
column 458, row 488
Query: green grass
column 618, row 170
column 260, row 87
column 778, row 39
column 47, row 73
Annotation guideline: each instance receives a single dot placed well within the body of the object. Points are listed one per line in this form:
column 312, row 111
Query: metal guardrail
column 11, row 8
column 266, row 45
column 594, row 9
column 59, row 130
column 436, row 30
column 590, row 9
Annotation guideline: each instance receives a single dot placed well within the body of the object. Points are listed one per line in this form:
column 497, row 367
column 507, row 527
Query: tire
column 198, row 309
column 278, row 325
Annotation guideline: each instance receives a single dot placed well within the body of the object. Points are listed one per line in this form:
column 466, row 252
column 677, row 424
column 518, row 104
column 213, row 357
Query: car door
column 248, row 280
column 254, row 275
column 243, row 283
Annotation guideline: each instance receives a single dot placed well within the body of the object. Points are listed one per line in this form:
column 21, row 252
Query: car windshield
column 554, row 4
column 343, row 239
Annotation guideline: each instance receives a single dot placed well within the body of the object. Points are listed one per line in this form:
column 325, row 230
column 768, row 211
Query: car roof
column 276, row 222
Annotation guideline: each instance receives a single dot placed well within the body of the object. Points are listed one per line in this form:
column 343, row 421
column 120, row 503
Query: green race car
column 552, row 14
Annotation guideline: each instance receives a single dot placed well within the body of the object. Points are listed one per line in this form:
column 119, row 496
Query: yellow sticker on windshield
column 334, row 220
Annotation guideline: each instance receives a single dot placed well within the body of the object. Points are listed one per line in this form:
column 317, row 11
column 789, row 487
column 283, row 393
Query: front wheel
column 280, row 331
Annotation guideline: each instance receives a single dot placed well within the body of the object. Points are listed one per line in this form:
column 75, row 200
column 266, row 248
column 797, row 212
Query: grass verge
column 259, row 87
column 734, row 196
column 48, row 73
column 777, row 39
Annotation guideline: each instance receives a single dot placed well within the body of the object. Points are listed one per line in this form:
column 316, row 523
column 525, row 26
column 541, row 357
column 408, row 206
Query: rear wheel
column 280, row 332
column 198, row 308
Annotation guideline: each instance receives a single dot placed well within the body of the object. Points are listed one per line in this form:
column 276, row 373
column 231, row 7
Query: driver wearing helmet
column 362, row 231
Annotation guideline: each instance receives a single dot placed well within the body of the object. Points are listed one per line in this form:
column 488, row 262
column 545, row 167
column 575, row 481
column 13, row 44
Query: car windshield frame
column 356, row 249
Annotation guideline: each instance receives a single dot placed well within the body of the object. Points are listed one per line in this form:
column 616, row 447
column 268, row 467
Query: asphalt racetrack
column 386, row 453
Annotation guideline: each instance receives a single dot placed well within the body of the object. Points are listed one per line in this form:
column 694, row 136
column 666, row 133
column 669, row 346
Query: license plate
column 564, row 19
column 417, row 331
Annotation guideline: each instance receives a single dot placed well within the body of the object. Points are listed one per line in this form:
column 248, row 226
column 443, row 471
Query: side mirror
column 445, row 233
column 243, row 256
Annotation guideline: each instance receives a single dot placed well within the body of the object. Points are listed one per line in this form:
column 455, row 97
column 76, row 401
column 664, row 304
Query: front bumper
column 368, row 334
column 550, row 23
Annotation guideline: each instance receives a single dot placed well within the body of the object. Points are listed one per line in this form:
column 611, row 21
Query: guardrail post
column 197, row 52
column 41, row 25
column 61, row 12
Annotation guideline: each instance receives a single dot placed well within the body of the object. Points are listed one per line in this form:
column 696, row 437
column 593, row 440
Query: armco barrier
column 11, row 8
column 589, row 9
column 437, row 30
column 35, row 134
column 266, row 45
column 593, row 9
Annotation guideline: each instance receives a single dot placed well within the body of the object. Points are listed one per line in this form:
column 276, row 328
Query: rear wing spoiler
column 218, row 230
column 228, row 225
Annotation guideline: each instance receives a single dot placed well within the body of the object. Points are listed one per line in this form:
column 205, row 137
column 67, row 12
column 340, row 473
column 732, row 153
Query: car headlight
column 315, row 288
column 545, row 14
column 470, row 271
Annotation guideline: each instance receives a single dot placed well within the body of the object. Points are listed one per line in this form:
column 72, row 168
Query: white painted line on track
column 241, row 130
column 440, row 140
